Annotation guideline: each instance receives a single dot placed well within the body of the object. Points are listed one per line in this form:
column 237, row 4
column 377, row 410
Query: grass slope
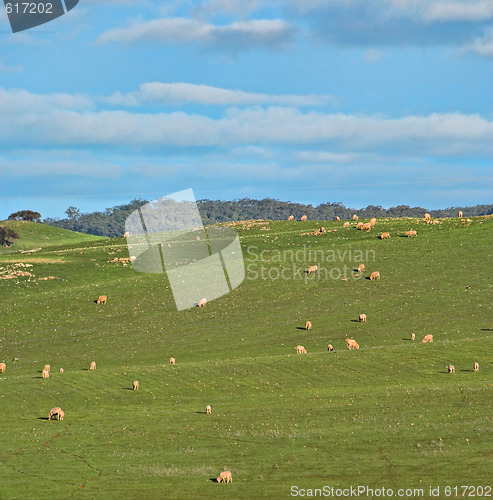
column 387, row 414
column 35, row 235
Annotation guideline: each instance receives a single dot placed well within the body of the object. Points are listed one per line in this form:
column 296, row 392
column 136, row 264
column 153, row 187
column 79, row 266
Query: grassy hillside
column 386, row 415
column 34, row 235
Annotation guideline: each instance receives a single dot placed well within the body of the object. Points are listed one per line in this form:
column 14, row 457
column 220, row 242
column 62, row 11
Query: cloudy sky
column 381, row 102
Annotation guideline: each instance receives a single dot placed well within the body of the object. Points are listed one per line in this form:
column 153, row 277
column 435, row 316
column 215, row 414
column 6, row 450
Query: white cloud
column 180, row 93
column 450, row 11
column 327, row 157
column 274, row 33
column 482, row 46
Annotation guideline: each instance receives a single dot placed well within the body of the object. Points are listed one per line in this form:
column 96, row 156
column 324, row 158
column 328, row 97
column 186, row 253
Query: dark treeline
column 111, row 222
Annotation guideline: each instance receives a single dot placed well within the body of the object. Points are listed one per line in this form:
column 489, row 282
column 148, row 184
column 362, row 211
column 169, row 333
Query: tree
column 6, row 236
column 73, row 213
column 27, row 215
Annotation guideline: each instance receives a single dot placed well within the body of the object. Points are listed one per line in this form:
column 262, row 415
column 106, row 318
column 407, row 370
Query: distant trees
column 111, row 222
column 7, row 235
column 27, row 215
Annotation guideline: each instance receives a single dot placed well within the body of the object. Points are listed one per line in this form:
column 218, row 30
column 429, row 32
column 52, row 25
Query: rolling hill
column 386, row 415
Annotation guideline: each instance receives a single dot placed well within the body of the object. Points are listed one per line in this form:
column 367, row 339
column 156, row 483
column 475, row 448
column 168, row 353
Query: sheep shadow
column 37, row 376
column 127, row 388
column 487, row 329
column 356, row 321
column 201, row 412
column 213, row 479
column 467, row 370
column 85, row 369
column 43, row 418
column 300, row 328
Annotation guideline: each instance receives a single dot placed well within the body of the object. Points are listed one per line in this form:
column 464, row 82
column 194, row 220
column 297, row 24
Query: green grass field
column 386, row 415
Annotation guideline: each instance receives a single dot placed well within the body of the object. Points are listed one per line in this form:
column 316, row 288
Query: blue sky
column 386, row 102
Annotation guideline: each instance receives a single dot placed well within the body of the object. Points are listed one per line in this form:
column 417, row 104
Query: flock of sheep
column 352, row 344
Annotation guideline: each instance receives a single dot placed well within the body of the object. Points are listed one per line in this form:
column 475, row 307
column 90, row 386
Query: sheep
column 451, row 369
column 413, row 337
column 411, row 233
column 355, row 217
column 303, row 217
column 359, row 225
column 375, row 276
column 346, row 224
column 362, row 318
column 61, row 370
column 93, row 366
column 460, row 213
column 330, row 348
column 361, row 268
column 225, row 477
column 208, row 409
column 322, row 229
column 384, row 236
column 367, row 227
column 126, row 235
column 56, row 411
column 308, row 325
column 312, row 269
column 373, row 221
column 102, row 300
column 475, row 367
column 3, row 367
column 46, row 374
column 352, row 344
column 427, row 216
column 300, row 349
column 338, row 218
column 428, row 338
column 47, row 368
column 135, row 385
column 171, row 361
column 202, row 302
column 291, row 217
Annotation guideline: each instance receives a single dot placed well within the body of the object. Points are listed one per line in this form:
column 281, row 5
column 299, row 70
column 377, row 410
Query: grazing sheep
column 361, row 268
column 411, row 233
column 171, row 361
column 56, row 411
column 291, row 217
column 308, row 325
column 375, row 276
column 93, row 366
column 312, row 269
column 208, row 409
column 300, row 349
column 373, row 221
column 202, row 302
column 427, row 216
column 352, row 344
column 225, row 477
column 359, row 225
column 135, row 385
column 304, row 217
column 61, row 370
column 46, row 374
column 330, row 348
column 3, row 367
column 355, row 217
column 460, row 213
column 451, row 368
column 338, row 218
column 47, row 368
column 125, row 235
column 413, row 337
column 384, row 236
column 322, row 229
column 428, row 338
column 475, row 367
column 362, row 318
column 102, row 300
column 346, row 224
